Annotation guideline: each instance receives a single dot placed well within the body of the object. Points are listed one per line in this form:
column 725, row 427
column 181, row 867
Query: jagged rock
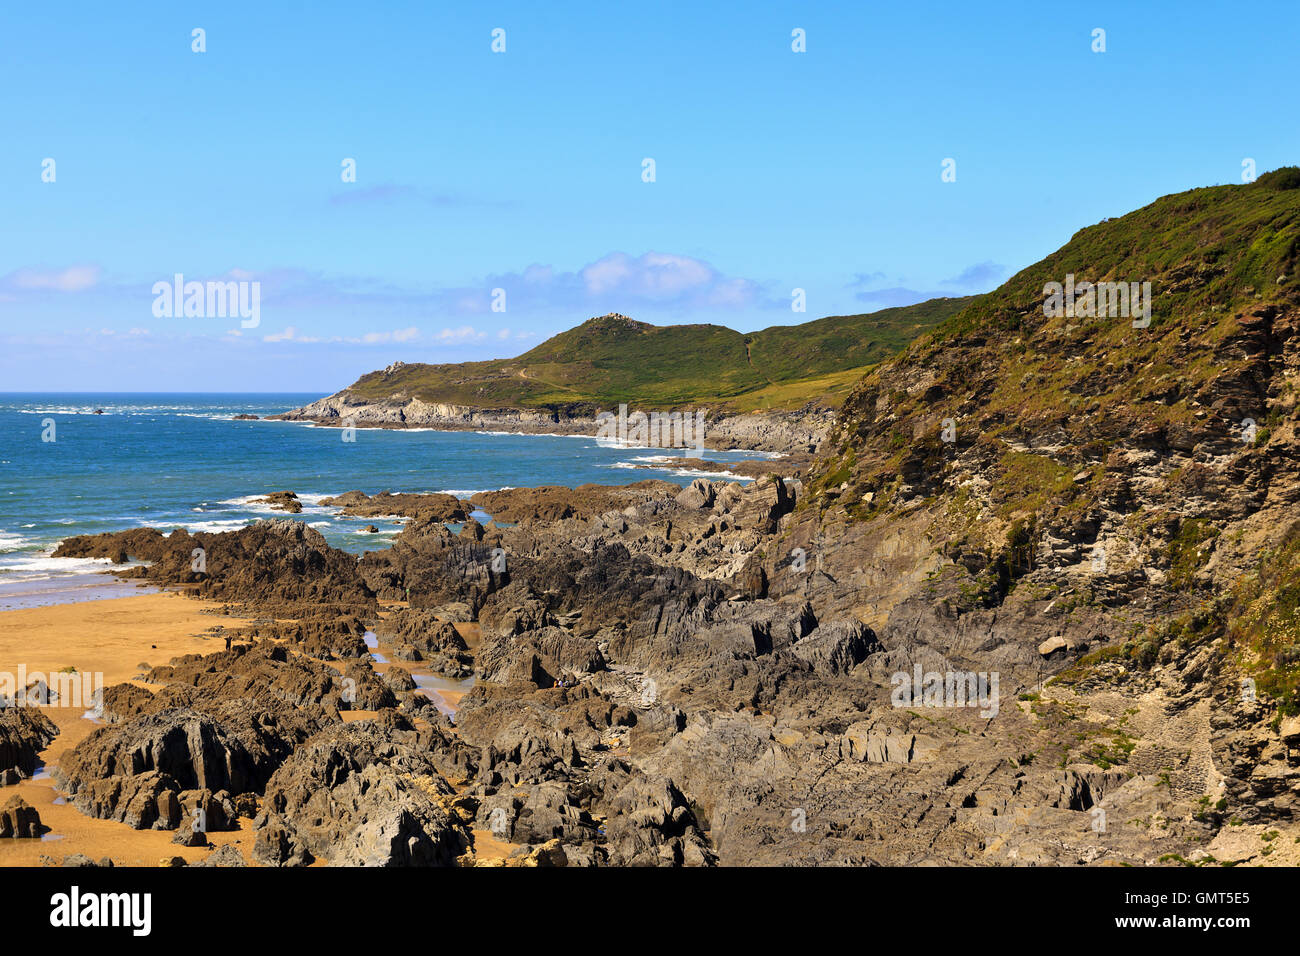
column 358, row 796
column 652, row 824
column 24, row 733
column 701, row 493
column 276, row 565
column 540, row 656
column 19, row 820
column 223, row 856
column 134, row 771
column 837, row 646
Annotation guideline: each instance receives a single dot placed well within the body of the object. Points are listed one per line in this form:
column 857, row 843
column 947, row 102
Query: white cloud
column 654, row 276
column 397, row 335
column 71, row 279
column 288, row 335
column 465, row 333
column 616, row 282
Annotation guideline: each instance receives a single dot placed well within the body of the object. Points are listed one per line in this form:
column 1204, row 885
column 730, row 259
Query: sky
column 503, row 195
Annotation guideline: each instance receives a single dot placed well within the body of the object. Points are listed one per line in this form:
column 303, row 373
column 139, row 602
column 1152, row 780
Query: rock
column 1289, row 730
column 282, row 501
column 1053, row 644
column 133, row 770
column 356, row 795
column 701, row 493
column 274, row 566
column 18, row 819
column 838, row 646
column 434, row 507
column 188, row 836
column 24, row 733
column 539, row 656
column 224, row 856
column 653, row 825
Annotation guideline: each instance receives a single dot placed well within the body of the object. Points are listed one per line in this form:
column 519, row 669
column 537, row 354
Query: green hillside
column 1222, row 264
column 613, row 359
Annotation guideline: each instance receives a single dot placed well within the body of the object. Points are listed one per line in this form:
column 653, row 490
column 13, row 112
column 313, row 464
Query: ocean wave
column 697, row 473
column 43, row 566
column 755, row 453
column 680, row 472
column 520, row 434
column 14, row 542
column 217, row 527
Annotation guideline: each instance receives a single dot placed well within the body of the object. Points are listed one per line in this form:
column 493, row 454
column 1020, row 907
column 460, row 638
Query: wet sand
column 445, row 693
column 112, row 638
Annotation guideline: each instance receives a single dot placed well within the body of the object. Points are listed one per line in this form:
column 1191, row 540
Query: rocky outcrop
column 24, row 733
column 134, row 771
column 19, row 820
column 801, row 431
column 361, row 794
column 277, row 566
column 282, row 501
column 424, row 635
column 434, row 507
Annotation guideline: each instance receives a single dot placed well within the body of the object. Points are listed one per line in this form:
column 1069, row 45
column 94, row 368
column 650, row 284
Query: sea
column 182, row 461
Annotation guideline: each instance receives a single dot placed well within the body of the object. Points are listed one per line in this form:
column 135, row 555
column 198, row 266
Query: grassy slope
column 614, row 359
column 1005, row 371
column 1095, row 388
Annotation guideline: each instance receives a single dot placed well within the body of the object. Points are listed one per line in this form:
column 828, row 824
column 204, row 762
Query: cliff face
column 1093, row 455
column 1088, row 496
column 798, row 431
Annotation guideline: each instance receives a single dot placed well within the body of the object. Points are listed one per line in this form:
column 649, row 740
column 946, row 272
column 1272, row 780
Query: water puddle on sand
column 372, row 642
column 444, row 692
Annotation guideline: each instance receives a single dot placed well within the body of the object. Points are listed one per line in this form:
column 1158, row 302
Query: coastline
column 109, row 637
column 782, row 432
column 114, row 638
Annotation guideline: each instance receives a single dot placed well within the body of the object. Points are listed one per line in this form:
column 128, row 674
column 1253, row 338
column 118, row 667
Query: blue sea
column 179, row 460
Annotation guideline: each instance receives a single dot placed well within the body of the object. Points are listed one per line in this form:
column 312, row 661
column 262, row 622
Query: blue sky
column 522, row 170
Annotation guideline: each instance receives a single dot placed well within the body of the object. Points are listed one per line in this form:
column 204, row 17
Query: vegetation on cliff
column 612, row 359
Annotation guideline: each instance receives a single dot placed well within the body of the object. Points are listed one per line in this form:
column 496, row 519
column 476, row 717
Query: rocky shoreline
column 801, row 432
column 661, row 677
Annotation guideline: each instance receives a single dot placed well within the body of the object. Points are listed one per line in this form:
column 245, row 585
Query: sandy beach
column 113, row 638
